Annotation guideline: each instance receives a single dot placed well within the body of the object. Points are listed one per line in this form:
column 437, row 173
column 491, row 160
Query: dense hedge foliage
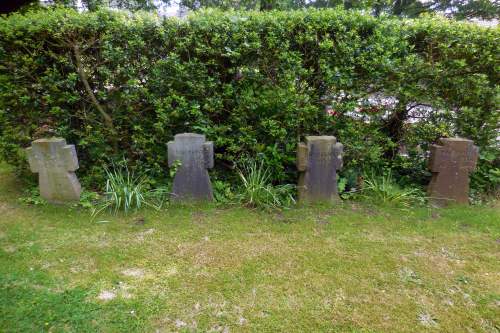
column 121, row 85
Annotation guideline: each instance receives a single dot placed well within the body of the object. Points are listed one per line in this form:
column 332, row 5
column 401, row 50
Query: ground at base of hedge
column 351, row 268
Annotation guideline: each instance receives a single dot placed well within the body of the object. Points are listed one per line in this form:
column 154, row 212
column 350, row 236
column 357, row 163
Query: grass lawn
column 351, row 268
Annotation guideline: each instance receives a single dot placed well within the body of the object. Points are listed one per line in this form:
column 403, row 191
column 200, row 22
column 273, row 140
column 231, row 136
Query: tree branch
column 108, row 121
column 83, row 76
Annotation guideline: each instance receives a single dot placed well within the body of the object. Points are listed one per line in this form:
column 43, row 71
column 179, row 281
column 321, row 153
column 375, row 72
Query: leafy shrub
column 486, row 179
column 116, row 83
column 257, row 190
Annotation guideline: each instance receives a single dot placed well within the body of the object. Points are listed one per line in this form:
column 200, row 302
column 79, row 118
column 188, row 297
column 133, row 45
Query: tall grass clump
column 258, row 191
column 126, row 192
column 382, row 189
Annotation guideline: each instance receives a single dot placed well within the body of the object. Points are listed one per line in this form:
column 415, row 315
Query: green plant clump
column 384, row 190
column 255, row 83
column 258, row 191
column 127, row 192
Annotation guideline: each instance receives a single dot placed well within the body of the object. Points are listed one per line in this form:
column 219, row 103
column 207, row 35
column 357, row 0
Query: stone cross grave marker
column 56, row 163
column 191, row 181
column 318, row 160
column 450, row 162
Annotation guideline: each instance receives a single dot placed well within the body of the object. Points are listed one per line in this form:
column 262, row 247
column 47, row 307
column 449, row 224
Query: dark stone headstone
column 318, row 160
column 56, row 163
column 450, row 162
column 191, row 181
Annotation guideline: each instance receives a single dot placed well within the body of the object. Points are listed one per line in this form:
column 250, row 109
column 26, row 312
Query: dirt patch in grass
column 134, row 272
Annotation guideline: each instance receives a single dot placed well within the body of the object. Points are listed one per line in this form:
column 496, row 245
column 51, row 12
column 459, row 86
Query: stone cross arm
column 453, row 151
column 208, row 154
column 55, row 150
column 471, row 158
column 32, row 160
column 303, row 156
column 69, row 157
column 438, row 156
column 207, row 150
column 338, row 150
column 172, row 153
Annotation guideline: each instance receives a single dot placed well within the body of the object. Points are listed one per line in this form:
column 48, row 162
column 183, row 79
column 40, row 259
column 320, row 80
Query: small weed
column 223, row 193
column 408, row 275
column 342, row 186
column 463, row 279
column 427, row 320
column 88, row 199
column 173, row 169
column 32, row 196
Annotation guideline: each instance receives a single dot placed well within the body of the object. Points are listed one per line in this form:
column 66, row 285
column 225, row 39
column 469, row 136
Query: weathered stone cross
column 450, row 163
column 56, row 163
column 191, row 181
column 318, row 161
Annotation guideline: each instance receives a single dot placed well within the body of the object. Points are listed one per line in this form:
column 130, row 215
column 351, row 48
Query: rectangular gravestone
column 191, row 181
column 318, row 160
column 450, row 162
column 56, row 163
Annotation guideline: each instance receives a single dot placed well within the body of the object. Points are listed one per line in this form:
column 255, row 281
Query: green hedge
column 254, row 83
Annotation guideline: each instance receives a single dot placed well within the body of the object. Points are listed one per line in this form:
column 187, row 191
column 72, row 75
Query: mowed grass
column 350, row 268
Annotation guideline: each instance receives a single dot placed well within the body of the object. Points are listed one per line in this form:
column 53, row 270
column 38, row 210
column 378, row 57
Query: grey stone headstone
column 56, row 163
column 191, row 181
column 451, row 161
column 318, row 160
